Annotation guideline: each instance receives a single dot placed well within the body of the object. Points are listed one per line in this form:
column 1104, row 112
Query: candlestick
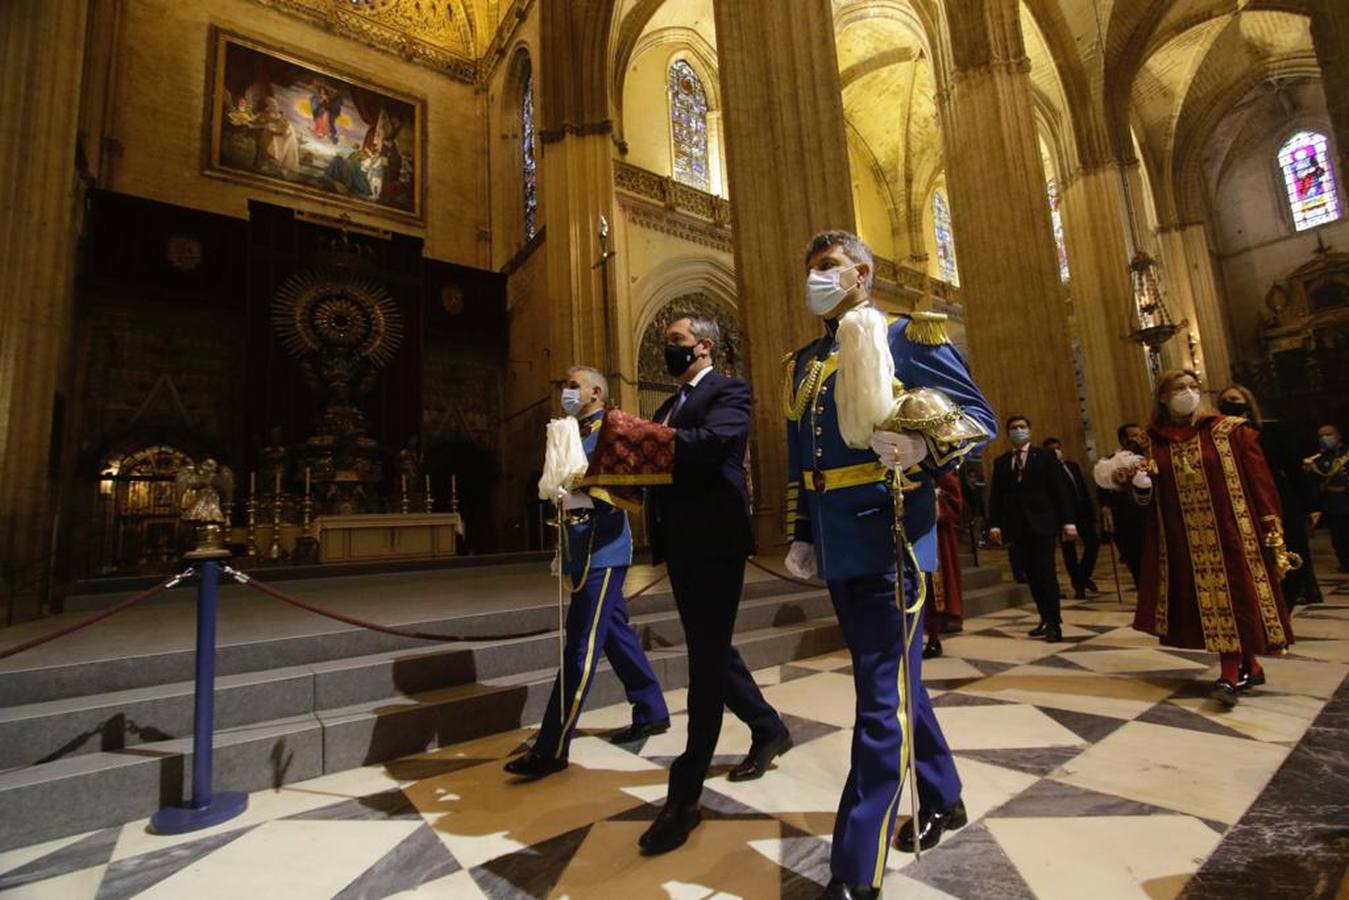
column 276, row 486
column 428, row 498
column 274, row 552
column 252, row 483
column 306, row 481
column 252, row 526
column 428, row 484
column 403, row 502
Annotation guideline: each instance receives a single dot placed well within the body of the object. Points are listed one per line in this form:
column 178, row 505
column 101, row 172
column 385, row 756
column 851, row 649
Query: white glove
column 900, row 449
column 555, row 564
column 800, row 561
column 577, row 500
column 1142, row 480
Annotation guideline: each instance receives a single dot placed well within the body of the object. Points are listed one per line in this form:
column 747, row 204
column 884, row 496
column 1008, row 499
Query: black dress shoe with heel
column 670, row 829
column 1246, row 681
column 931, row 827
column 1225, row 692
column 638, row 730
column 1053, row 634
column 841, row 890
column 932, row 650
column 760, row 757
column 535, row 765
column 1039, row 630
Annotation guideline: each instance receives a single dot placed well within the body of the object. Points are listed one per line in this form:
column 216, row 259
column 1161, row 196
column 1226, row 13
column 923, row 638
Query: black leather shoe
column 535, row 765
column 1246, row 681
column 931, row 826
column 1225, row 692
column 1091, row 586
column 840, row 890
column 1039, row 630
column 932, row 650
column 1053, row 634
column 1080, row 594
column 670, row 830
column 638, row 730
column 760, row 756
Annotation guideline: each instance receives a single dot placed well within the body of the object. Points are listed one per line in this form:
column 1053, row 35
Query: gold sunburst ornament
column 315, row 312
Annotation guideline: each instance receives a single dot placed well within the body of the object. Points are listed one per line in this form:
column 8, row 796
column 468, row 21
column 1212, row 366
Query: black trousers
column 1035, row 555
column 1129, row 543
column 1338, row 525
column 708, row 597
column 1080, row 571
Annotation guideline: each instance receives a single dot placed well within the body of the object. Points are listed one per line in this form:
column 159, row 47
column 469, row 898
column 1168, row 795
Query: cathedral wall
column 872, row 205
column 158, row 104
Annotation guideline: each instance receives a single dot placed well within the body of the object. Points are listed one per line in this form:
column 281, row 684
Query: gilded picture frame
column 296, row 126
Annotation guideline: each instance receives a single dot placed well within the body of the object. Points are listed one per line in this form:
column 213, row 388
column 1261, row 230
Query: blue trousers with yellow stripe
column 597, row 623
column 871, row 624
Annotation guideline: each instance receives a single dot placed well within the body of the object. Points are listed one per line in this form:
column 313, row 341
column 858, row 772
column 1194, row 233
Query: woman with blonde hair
column 1213, row 552
column 1299, row 585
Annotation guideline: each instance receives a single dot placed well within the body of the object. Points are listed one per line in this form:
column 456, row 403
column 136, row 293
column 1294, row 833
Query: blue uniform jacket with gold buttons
column 839, row 498
column 596, row 538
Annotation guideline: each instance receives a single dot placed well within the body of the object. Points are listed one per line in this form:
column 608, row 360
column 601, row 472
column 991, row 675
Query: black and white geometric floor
column 1092, row 768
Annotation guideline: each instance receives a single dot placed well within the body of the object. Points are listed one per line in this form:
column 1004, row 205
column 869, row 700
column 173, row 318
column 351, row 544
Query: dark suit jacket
column 1041, row 504
column 704, row 513
column 1084, row 510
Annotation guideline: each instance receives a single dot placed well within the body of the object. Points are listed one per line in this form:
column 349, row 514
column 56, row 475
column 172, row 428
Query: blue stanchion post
column 206, row 808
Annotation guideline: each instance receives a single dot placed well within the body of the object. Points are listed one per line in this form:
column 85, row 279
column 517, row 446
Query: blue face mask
column 1328, row 441
column 572, row 404
column 1019, row 436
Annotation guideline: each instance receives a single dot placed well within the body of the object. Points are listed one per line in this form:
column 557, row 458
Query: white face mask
column 1184, row 403
column 825, row 290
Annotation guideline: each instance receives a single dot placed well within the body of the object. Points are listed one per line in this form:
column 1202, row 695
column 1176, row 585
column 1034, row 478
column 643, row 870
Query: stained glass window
column 688, row 126
column 1056, row 217
column 1309, row 180
column 946, row 245
column 528, row 163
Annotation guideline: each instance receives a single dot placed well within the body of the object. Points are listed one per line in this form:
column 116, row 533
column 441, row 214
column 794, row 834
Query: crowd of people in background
column 1209, row 508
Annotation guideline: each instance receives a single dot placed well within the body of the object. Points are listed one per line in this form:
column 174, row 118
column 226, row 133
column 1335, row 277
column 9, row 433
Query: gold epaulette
column 927, row 328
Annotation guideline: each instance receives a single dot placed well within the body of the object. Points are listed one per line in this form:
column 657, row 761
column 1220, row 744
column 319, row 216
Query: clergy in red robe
column 945, row 605
column 1213, row 551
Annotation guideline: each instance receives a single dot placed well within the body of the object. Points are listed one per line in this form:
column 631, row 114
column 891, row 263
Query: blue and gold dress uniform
column 1329, row 470
column 839, row 499
column 598, row 554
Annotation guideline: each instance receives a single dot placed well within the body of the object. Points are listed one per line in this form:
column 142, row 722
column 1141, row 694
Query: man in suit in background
column 699, row 526
column 1084, row 516
column 1124, row 520
column 1031, row 509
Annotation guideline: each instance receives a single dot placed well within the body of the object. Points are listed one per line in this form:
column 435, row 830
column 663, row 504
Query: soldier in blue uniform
column 1329, row 470
column 598, row 553
column 840, row 524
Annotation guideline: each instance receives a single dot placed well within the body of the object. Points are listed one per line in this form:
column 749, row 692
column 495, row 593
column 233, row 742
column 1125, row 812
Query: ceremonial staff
column 907, row 770
column 603, row 265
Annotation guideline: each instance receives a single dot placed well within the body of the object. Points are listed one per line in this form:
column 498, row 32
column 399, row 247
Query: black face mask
column 678, row 359
column 1233, row 408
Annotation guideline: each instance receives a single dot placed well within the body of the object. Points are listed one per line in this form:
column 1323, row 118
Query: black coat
column 1084, row 509
column 1041, row 504
column 704, row 513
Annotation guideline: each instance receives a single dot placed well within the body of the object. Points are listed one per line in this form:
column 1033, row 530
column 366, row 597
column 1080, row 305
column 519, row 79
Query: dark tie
column 1018, row 465
column 1071, row 480
column 678, row 404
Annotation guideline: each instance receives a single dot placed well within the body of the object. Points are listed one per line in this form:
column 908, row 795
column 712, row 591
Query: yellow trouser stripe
column 905, row 726
column 588, row 669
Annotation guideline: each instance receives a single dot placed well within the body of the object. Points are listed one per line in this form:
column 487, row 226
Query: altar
column 388, row 536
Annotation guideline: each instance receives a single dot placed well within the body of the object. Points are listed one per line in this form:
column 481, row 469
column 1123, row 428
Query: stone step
column 99, row 790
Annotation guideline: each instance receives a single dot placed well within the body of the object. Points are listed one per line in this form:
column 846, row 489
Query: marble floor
column 1092, row 768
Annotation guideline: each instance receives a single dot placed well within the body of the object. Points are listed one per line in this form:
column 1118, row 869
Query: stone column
column 1116, row 369
column 1330, row 38
column 41, row 59
column 577, row 187
column 1009, row 274
column 787, row 165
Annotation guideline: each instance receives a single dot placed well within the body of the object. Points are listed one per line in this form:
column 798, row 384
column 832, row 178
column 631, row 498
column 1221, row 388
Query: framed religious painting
column 297, row 126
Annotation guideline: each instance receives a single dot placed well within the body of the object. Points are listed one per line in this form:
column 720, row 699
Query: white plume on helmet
column 866, row 375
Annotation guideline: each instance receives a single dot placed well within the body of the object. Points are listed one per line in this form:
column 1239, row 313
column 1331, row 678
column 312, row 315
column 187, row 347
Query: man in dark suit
column 1031, row 509
column 1084, row 517
column 1123, row 519
column 699, row 526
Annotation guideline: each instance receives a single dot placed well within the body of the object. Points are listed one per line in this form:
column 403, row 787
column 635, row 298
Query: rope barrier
column 249, row 581
column 126, row 603
column 637, row 593
column 788, row 578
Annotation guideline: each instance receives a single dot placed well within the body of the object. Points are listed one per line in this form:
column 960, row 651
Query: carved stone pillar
column 41, row 58
column 1009, row 274
column 787, row 164
column 1330, row 38
column 1116, row 369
